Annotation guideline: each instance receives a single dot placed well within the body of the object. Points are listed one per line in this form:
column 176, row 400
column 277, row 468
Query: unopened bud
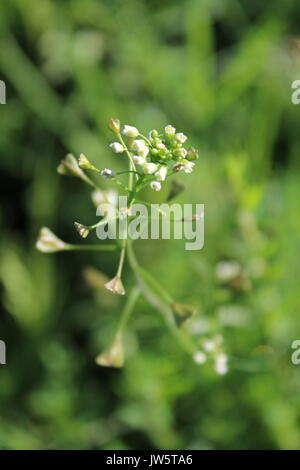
column 84, row 163
column 69, row 166
column 114, row 125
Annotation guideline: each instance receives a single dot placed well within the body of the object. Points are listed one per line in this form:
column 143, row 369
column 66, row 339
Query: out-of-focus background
column 221, row 72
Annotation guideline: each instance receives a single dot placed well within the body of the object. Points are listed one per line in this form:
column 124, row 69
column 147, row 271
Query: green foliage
column 221, row 72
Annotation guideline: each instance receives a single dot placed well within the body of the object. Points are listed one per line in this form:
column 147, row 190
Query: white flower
column 221, row 367
column 48, row 242
column 155, row 185
column 149, row 168
column 181, row 137
column 107, row 173
column 209, row 345
column 181, row 152
column 228, row 270
column 143, row 151
column 138, row 144
column 130, row 131
column 161, row 173
column 139, row 160
column 103, row 197
column 199, row 357
column 170, row 130
column 188, row 167
column 161, row 146
column 118, row 148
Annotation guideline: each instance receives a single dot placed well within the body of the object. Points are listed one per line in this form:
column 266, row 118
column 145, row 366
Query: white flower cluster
column 211, row 348
column 157, row 154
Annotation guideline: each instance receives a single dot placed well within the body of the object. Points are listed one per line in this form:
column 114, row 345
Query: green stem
column 159, row 296
column 129, row 306
column 131, row 166
column 70, row 247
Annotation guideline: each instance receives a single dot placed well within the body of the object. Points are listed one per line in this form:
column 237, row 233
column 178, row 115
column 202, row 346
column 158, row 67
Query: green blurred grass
column 221, row 73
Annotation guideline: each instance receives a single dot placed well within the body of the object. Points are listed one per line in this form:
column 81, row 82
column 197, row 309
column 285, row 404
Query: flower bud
column 69, row 167
column 199, row 357
column 161, row 173
column 221, row 366
column 117, row 147
column 139, row 160
column 182, row 312
column 149, row 168
column 82, row 229
column 153, row 134
column 192, row 154
column 170, row 130
column 115, row 285
column 84, row 163
column 113, row 356
column 130, row 131
column 48, row 242
column 107, row 173
column 180, row 152
column 155, row 185
column 180, row 137
column 114, row 125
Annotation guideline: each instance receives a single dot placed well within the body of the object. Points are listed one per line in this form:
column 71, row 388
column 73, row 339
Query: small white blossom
column 199, row 357
column 138, row 144
column 107, row 173
column 181, row 152
column 209, row 345
column 155, row 185
column 117, row 147
column 221, row 367
column 143, row 151
column 161, row 173
column 186, row 166
column 170, row 130
column 130, row 131
column 149, row 168
column 139, row 160
column 228, row 270
column 181, row 137
column 161, row 146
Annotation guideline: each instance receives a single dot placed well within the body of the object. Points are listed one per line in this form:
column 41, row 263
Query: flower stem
column 129, row 306
column 70, row 247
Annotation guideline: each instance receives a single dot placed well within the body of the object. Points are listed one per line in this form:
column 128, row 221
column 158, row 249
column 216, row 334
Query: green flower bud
column 69, row 167
column 192, row 154
column 114, row 125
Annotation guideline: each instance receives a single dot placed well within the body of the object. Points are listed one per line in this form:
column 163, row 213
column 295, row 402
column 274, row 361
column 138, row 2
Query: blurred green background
column 221, row 72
